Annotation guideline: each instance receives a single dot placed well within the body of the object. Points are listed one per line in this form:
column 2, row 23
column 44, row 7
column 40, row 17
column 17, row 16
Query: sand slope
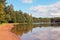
column 6, row 34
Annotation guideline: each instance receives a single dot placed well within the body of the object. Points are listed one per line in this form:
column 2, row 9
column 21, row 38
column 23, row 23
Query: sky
column 38, row 8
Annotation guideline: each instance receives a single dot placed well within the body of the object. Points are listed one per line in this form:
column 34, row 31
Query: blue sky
column 34, row 7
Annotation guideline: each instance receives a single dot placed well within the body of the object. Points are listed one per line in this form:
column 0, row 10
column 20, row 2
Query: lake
column 37, row 31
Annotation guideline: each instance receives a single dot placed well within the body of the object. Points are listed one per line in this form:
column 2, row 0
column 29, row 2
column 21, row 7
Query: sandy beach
column 6, row 34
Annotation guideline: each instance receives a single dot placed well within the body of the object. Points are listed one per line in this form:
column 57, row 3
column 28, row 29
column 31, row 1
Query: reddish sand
column 6, row 34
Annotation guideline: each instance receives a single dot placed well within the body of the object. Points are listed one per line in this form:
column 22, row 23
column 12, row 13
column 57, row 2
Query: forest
column 9, row 15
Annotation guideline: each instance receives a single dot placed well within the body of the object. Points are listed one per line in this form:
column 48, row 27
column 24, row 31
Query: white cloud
column 48, row 11
column 27, row 1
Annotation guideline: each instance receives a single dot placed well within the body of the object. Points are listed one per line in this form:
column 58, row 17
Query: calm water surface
column 37, row 31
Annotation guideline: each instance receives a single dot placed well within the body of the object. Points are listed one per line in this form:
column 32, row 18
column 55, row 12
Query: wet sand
column 6, row 34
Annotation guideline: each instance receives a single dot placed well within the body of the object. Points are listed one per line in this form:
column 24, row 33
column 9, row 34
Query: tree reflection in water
column 22, row 28
column 25, row 28
column 37, row 31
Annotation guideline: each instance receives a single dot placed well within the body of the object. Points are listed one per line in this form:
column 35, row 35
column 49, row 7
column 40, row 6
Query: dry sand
column 6, row 34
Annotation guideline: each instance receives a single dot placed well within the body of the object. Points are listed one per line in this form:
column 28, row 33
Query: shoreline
column 6, row 34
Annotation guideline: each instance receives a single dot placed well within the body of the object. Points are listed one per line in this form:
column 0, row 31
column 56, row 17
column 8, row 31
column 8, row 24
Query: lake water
column 37, row 31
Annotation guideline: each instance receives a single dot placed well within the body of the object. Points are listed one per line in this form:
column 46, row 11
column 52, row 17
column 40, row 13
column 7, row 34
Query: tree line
column 8, row 14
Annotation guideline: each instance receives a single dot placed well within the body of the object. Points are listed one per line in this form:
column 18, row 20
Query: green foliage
column 7, row 13
column 28, row 18
column 2, row 11
column 22, row 17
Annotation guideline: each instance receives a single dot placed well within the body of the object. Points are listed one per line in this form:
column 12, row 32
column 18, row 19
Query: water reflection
column 37, row 31
column 23, row 28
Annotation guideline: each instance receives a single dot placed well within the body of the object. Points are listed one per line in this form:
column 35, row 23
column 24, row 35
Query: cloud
column 52, row 10
column 27, row 1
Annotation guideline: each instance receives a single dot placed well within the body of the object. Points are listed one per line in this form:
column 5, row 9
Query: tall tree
column 10, row 12
column 2, row 11
column 19, row 16
column 28, row 18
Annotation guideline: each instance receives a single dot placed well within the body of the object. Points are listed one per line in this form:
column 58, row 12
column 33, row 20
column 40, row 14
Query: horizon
column 38, row 8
